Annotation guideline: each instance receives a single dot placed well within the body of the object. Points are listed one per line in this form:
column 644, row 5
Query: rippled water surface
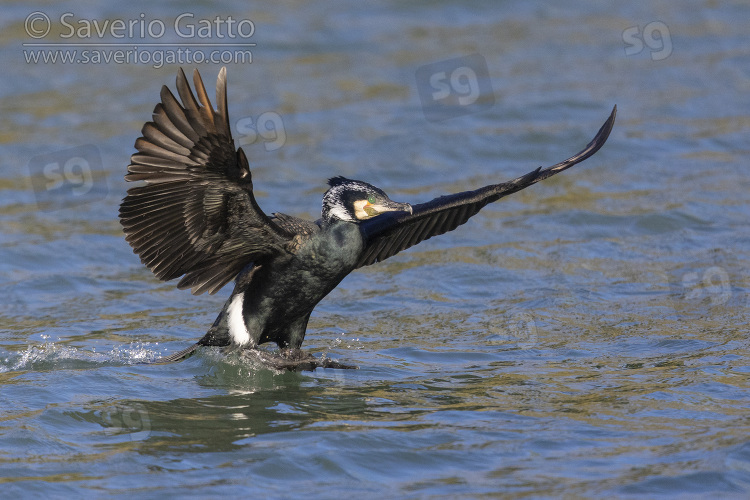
column 587, row 336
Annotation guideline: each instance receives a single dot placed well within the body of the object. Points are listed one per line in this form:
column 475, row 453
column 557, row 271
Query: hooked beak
column 395, row 206
column 403, row 207
column 381, row 208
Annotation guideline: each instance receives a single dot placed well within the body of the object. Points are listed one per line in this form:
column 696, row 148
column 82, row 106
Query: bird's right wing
column 392, row 232
column 196, row 215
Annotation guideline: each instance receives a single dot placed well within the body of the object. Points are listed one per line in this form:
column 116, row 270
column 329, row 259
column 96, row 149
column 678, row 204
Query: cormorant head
column 355, row 201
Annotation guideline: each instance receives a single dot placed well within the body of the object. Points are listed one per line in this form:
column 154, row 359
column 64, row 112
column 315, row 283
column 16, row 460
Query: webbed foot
column 293, row 360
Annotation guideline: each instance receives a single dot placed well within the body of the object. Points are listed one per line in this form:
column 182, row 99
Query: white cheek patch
column 237, row 328
column 364, row 210
column 359, row 210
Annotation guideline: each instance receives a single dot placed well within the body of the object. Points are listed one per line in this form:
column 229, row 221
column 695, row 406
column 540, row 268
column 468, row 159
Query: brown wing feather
column 390, row 233
column 196, row 215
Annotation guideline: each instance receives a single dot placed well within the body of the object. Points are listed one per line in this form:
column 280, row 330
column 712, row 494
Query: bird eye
column 371, row 199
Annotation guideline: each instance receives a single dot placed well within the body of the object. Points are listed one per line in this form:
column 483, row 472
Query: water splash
column 53, row 356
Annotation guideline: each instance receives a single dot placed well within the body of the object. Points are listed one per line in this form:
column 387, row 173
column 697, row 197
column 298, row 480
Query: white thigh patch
column 237, row 328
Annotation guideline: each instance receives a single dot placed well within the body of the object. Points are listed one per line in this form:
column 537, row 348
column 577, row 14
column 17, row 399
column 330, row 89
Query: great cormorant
column 196, row 217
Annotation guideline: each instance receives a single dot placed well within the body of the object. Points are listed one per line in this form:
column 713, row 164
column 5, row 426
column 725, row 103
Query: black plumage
column 196, row 218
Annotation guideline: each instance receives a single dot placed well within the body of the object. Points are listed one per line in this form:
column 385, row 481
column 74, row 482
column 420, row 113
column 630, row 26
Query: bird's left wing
column 392, row 232
column 197, row 215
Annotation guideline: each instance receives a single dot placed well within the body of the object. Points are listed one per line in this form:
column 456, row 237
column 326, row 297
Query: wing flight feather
column 196, row 215
column 390, row 233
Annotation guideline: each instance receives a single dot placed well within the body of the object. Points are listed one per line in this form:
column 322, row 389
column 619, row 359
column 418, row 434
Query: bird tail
column 178, row 356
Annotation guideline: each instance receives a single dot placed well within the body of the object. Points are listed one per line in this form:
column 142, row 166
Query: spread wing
column 388, row 234
column 196, row 215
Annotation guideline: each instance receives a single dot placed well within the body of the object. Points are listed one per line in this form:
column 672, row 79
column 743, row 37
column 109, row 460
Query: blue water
column 585, row 337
